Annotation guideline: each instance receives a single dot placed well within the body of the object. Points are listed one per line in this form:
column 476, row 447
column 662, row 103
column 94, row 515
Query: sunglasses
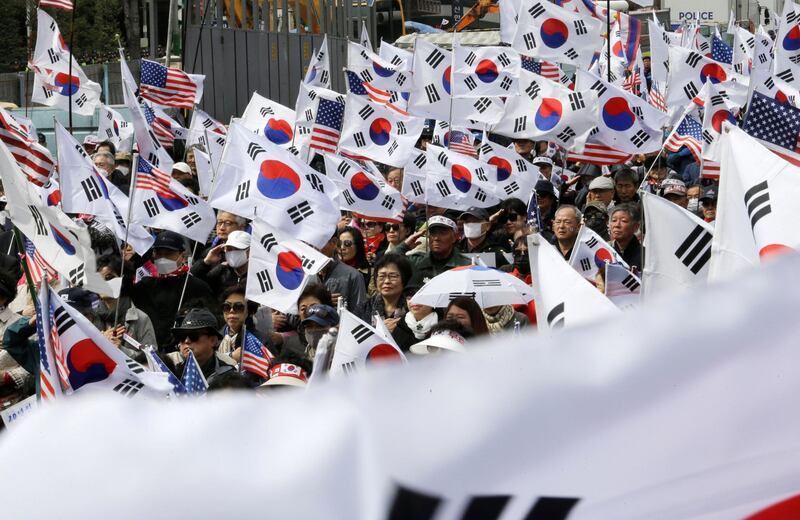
column 194, row 335
column 235, row 307
column 392, row 227
column 346, row 243
column 370, row 224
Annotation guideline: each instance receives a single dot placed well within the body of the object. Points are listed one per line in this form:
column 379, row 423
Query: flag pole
column 71, row 40
column 686, row 111
column 608, row 39
column 34, row 300
column 132, row 191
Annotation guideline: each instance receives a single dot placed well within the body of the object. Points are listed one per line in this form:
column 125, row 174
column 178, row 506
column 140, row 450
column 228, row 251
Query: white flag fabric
column 617, row 62
column 677, row 248
column 545, row 109
column 623, row 287
column 660, row 43
column 733, row 249
column 203, row 124
column 375, row 70
column 360, row 345
column 508, row 20
column 270, row 119
column 744, row 44
column 516, row 177
column 113, row 127
column 94, row 364
column 770, row 190
column 563, row 297
column 364, row 39
column 717, row 110
column 319, row 67
column 258, row 178
column 148, row 144
column 456, row 181
column 363, row 189
column 279, row 268
column 591, row 253
column 378, row 133
column 431, row 91
column 161, row 202
column 626, row 122
column 485, row 71
column 62, row 243
column 550, row 32
column 129, row 85
column 85, row 189
column 786, row 64
column 401, row 59
column 414, row 179
column 34, row 160
column 643, row 390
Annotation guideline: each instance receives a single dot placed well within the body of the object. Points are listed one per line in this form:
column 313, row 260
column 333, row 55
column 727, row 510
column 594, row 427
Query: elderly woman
column 237, row 312
column 398, row 232
column 352, row 251
column 391, row 274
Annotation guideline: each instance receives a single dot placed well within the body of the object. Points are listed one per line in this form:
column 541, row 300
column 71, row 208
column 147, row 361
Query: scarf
column 422, row 327
column 177, row 272
column 498, row 322
column 373, row 243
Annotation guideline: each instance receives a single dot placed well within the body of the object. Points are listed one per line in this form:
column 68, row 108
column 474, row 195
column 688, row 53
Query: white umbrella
column 489, row 287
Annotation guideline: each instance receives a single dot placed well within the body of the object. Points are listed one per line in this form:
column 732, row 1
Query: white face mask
column 165, row 265
column 236, row 258
column 124, row 169
column 473, row 230
column 693, row 205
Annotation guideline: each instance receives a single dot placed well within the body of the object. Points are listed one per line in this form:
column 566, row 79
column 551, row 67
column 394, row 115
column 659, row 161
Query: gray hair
column 631, row 209
column 107, row 155
column 578, row 214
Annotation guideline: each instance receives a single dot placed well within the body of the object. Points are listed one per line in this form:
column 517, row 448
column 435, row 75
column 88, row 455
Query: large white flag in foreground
column 625, row 419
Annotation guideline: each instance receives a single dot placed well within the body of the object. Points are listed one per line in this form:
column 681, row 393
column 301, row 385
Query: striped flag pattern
column 149, row 177
column 164, row 127
column 327, row 126
column 48, row 389
column 58, row 4
column 37, row 265
column 34, row 160
column 599, row 154
column 256, row 358
column 689, row 133
column 461, row 142
column 167, row 86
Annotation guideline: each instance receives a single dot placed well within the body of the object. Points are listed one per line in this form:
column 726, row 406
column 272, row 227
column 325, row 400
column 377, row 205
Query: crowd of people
column 183, row 296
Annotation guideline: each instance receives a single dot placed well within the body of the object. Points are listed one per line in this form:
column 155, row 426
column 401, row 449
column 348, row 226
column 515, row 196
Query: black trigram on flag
column 361, row 332
column 529, row 41
column 757, row 201
column 504, row 59
column 630, row 283
column 769, row 83
column 53, row 56
column 795, row 59
column 268, row 241
column 786, row 76
column 506, row 83
column 401, row 128
column 693, row 59
column 511, row 188
column 91, row 188
column 133, row 366
column 392, row 148
column 349, row 367
column 264, row 281
column 707, row 137
column 343, row 168
column 128, row 387
column 190, row 219
column 791, row 16
column 207, row 123
column 300, row 212
column 470, row 59
column 536, row 10
column 420, row 161
column 242, row 191
column 41, row 229
column 348, row 197
column 77, row 276
column 533, row 90
column 434, row 58
column 480, row 173
column 396, row 61
column 690, row 90
column 315, row 182
column 695, row 251
column 566, row 134
column 253, row 149
column 62, row 320
column 366, row 76
column 576, row 101
column 470, row 83
column 480, row 195
column 580, row 27
column 522, row 165
column 482, row 104
column 592, row 242
column 571, row 54
column 416, row 188
column 388, row 202
column 411, row 503
column 151, row 207
column 442, row 157
column 432, row 93
column 555, row 318
column 266, row 111
column 358, row 137
column 307, row 263
column 47, row 92
column 444, row 189
column 639, row 138
column 487, row 283
column 638, row 111
column 366, row 112
column 81, row 100
column 153, row 159
column 585, row 264
column 599, row 88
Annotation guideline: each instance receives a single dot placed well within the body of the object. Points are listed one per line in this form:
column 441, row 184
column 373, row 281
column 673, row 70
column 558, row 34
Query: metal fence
column 243, row 46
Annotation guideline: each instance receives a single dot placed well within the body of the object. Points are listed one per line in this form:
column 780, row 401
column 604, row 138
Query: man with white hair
column 104, row 161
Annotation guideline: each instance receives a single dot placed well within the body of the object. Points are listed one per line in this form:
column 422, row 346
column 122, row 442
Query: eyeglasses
column 236, row 307
column 392, row 227
column 225, row 223
column 392, row 277
column 346, row 243
column 194, row 335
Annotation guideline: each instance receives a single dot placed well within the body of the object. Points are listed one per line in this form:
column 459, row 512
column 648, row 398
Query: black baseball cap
column 479, row 213
column 78, row 298
column 198, row 319
column 169, row 240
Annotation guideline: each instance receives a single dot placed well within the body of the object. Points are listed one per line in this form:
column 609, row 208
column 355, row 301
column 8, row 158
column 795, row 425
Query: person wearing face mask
column 521, row 268
column 158, row 296
column 477, row 238
column 219, row 274
column 694, row 193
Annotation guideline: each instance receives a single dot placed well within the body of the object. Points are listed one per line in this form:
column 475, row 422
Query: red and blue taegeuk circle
column 504, row 169
column 277, row 180
column 63, row 242
column 67, row 85
column 446, row 79
column 87, row 363
column 278, row 131
column 461, row 177
column 289, row 270
column 549, row 114
column 791, row 42
column 617, row 114
column 363, row 187
column 486, row 71
column 382, row 352
column 554, row 33
column 713, row 72
column 720, row 117
column 380, row 131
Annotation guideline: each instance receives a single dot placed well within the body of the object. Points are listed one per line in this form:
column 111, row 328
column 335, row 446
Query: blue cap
column 323, row 315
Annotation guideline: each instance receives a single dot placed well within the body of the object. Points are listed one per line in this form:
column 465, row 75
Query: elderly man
column 566, row 224
column 622, row 227
column 181, row 171
column 601, row 189
column 220, row 275
column 626, row 182
column 476, row 236
column 104, row 161
column 199, row 332
column 442, row 255
column 709, row 203
column 674, row 190
column 545, row 165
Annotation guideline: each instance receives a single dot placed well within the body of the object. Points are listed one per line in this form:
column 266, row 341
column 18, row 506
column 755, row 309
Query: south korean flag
column 545, row 109
column 114, row 128
column 414, row 178
column 363, row 189
column 359, row 345
column 626, row 122
column 591, row 253
column 623, row 287
column 718, row 110
column 398, row 58
column 516, row 177
column 279, row 267
column 203, row 125
column 259, row 178
column 486, row 71
column 786, row 65
column 431, row 91
column 319, row 68
column 376, row 71
column 270, row 119
column 377, row 133
column 149, row 146
column 455, row 181
column 678, row 246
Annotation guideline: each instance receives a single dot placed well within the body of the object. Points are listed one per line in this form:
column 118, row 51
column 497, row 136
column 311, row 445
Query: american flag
column 162, row 128
column 689, row 133
column 193, row 379
column 599, row 154
column 157, row 365
column 633, row 83
column 37, row 265
column 362, row 88
column 775, row 125
column 461, row 142
column 34, row 160
column 47, row 374
column 721, row 51
column 709, row 170
column 534, row 217
column 545, row 69
column 256, row 358
column 657, row 98
column 169, row 87
column 60, row 4
column 327, row 126
column 149, row 177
